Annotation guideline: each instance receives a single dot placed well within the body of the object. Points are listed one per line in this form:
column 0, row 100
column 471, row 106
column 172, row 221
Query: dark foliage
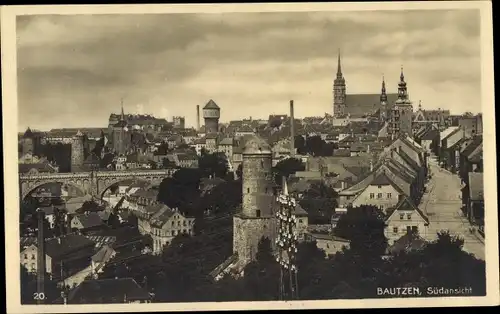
column 364, row 227
column 320, row 202
column 181, row 190
column 286, row 167
column 213, row 165
column 58, row 153
column 29, row 288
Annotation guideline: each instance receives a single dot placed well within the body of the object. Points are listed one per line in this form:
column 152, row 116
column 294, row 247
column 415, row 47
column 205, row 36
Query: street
column 442, row 203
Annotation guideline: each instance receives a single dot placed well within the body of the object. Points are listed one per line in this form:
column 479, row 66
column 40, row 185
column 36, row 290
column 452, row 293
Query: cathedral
column 358, row 105
column 394, row 111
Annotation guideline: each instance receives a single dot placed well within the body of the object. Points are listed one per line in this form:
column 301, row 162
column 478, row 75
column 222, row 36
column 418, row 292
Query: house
column 211, row 142
column 329, row 243
column 449, row 138
column 471, row 157
column 429, row 139
column 473, row 198
column 226, row 146
column 107, row 291
column 199, row 145
column 302, row 221
column 244, row 130
column 163, row 224
column 472, row 125
column 138, row 161
column 75, row 203
column 142, row 198
column 86, row 222
column 37, row 168
column 99, row 259
column 381, row 192
column 405, row 218
column 187, row 160
column 64, row 255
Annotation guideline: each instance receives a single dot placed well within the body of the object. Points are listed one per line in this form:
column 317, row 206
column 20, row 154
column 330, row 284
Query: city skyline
column 77, row 68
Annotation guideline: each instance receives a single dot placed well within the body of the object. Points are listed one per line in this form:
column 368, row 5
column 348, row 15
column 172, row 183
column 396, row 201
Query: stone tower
column 384, row 110
column 339, row 92
column 211, row 114
column 402, row 112
column 120, row 133
column 256, row 220
column 77, row 152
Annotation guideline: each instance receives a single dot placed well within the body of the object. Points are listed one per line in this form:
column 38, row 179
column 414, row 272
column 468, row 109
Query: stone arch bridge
column 93, row 183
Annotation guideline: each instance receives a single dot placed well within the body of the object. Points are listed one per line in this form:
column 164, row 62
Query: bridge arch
column 27, row 187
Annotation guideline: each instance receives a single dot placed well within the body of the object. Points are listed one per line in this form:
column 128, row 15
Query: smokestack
column 292, row 130
column 197, row 117
column 40, row 270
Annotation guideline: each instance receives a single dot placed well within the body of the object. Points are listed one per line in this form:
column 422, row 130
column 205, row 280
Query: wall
column 384, row 202
column 257, row 185
column 247, row 233
column 395, row 221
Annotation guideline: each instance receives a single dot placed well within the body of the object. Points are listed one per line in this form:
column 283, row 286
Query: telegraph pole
column 287, row 243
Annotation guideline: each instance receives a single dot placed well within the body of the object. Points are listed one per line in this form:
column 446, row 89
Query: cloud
column 77, row 68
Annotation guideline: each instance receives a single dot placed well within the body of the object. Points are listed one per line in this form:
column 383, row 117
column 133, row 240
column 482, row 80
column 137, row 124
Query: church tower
column 339, row 92
column 256, row 219
column 402, row 111
column 77, row 152
column 384, row 110
column 120, row 135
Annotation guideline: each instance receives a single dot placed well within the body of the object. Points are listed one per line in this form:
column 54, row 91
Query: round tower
column 77, row 152
column 257, row 178
column 256, row 219
column 211, row 115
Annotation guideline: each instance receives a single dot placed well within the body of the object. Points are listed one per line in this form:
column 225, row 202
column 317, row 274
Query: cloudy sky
column 73, row 70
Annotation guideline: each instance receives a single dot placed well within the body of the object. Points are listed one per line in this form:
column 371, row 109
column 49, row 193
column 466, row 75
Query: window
column 401, row 216
column 300, row 220
column 414, row 229
column 179, row 223
column 32, row 256
column 258, row 213
column 379, row 195
column 379, row 186
column 173, row 232
column 389, row 195
column 395, row 230
column 408, row 216
column 248, row 190
column 372, row 195
column 173, row 223
column 32, row 266
column 184, row 223
column 25, row 256
column 184, row 231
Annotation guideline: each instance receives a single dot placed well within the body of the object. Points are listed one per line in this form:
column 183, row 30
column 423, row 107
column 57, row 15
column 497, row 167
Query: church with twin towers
column 393, row 110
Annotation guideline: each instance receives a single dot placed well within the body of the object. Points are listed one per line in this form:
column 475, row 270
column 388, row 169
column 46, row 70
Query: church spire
column 122, row 117
column 383, row 94
column 339, row 67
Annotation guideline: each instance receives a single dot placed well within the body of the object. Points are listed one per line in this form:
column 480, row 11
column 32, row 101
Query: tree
column 153, row 165
column 106, row 160
column 162, row 149
column 168, row 164
column 364, row 227
column 300, row 144
column 213, row 164
column 286, row 167
column 320, row 202
column 181, row 190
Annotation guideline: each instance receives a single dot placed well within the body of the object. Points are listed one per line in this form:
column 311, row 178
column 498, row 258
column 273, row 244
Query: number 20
column 39, row 296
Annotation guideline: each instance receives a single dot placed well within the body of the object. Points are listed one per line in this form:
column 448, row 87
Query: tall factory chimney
column 292, row 130
column 40, row 269
column 197, row 117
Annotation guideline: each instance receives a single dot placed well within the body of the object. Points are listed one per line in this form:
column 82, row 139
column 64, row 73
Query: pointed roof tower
column 122, row 122
column 339, row 67
column 402, row 90
column 383, row 94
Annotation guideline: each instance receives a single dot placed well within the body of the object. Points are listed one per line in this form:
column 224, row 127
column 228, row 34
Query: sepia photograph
column 194, row 154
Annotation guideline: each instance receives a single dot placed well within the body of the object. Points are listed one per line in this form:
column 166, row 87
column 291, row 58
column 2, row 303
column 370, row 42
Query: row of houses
column 459, row 149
